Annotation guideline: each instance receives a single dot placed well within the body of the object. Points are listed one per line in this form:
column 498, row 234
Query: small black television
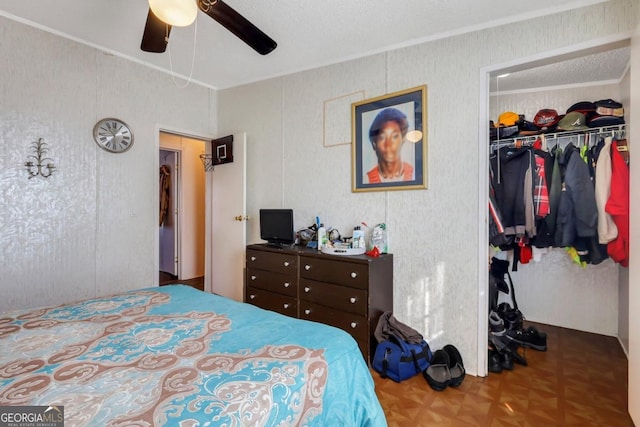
column 276, row 227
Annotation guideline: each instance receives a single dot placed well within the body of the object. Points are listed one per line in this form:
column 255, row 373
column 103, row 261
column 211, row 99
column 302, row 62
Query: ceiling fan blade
column 155, row 35
column 238, row 25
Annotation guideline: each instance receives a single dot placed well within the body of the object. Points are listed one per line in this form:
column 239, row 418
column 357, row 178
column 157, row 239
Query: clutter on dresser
column 370, row 240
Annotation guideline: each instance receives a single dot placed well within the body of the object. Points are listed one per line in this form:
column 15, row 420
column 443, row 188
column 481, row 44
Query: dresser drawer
column 280, row 283
column 355, row 325
column 273, row 261
column 339, row 297
column 339, row 272
column 272, row 301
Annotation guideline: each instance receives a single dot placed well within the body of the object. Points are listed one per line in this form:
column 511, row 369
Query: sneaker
column 494, row 363
column 528, row 338
column 506, row 361
column 496, row 324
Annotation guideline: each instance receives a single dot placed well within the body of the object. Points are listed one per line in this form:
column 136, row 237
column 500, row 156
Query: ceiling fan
column 163, row 14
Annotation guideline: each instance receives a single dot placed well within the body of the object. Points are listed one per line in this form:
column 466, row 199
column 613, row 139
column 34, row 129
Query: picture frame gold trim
column 365, row 165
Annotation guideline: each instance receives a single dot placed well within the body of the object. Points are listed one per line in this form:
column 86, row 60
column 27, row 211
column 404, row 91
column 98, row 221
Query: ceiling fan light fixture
column 177, row 13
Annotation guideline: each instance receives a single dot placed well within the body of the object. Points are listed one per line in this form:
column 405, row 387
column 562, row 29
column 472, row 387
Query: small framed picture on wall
column 389, row 141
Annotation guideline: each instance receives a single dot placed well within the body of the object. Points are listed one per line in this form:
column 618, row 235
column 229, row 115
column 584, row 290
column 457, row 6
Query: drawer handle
column 307, row 311
column 253, row 277
column 253, row 258
column 286, row 263
column 352, row 300
column 307, row 289
column 287, row 284
column 307, row 267
column 354, row 324
column 285, row 305
column 252, row 296
column 354, row 274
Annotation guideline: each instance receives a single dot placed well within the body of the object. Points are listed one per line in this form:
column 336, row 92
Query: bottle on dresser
column 357, row 241
column 322, row 237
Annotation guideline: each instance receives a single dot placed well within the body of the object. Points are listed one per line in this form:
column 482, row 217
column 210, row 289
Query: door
column 169, row 226
column 227, row 234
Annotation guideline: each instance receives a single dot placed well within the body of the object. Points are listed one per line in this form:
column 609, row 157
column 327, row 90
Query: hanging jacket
column 509, row 168
column 165, row 192
column 618, row 207
column 577, row 210
column 607, row 230
column 555, row 188
column 544, row 170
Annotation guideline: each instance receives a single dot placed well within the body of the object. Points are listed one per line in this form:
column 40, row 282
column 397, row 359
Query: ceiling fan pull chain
column 193, row 59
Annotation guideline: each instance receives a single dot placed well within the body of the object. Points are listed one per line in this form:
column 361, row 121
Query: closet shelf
column 614, row 131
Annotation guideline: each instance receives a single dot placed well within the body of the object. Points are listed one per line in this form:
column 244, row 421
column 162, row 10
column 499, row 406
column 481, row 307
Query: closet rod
column 530, row 139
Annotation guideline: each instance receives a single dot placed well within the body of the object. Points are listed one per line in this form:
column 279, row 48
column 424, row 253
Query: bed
column 178, row 356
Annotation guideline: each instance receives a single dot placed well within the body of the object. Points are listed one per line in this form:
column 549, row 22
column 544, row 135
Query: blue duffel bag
column 399, row 360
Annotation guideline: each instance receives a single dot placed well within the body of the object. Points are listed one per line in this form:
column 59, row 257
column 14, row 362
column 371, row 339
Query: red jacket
column 618, row 207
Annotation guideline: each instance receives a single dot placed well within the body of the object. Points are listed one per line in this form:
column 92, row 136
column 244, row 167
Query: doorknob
column 242, row 218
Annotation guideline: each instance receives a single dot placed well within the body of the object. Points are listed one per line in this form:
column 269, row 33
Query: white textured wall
column 435, row 231
column 91, row 228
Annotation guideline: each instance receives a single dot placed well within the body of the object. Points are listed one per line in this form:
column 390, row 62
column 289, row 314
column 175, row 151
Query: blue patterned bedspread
column 178, row 356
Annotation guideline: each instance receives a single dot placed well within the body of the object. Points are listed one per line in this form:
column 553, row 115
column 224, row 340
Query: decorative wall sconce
column 37, row 163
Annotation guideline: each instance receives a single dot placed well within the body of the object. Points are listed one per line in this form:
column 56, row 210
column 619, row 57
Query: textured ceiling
column 309, row 33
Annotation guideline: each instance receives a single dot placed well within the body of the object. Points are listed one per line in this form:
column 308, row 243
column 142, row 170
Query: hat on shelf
column 546, row 119
column 528, row 128
column 603, row 121
column 503, row 132
column 585, row 107
column 574, row 120
column 609, row 107
column 507, row 119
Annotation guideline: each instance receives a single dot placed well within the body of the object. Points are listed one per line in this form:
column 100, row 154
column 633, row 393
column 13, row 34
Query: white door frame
column 592, row 46
column 207, row 248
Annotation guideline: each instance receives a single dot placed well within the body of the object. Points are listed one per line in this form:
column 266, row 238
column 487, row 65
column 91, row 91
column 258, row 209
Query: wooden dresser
column 348, row 292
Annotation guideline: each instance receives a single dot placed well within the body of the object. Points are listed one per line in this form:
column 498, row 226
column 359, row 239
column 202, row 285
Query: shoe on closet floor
column 529, row 338
column 496, row 324
column 517, row 357
column 533, row 329
column 437, row 374
column 506, row 360
column 456, row 367
column 494, row 365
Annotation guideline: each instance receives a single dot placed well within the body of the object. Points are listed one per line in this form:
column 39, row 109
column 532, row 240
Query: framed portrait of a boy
column 389, row 141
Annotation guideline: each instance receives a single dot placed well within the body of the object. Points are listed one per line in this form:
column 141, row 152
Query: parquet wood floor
column 168, row 279
column 581, row 380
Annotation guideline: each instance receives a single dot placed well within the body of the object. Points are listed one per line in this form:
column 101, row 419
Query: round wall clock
column 113, row 135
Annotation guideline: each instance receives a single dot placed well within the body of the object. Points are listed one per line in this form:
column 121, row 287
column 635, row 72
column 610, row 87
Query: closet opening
column 182, row 210
column 554, row 290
